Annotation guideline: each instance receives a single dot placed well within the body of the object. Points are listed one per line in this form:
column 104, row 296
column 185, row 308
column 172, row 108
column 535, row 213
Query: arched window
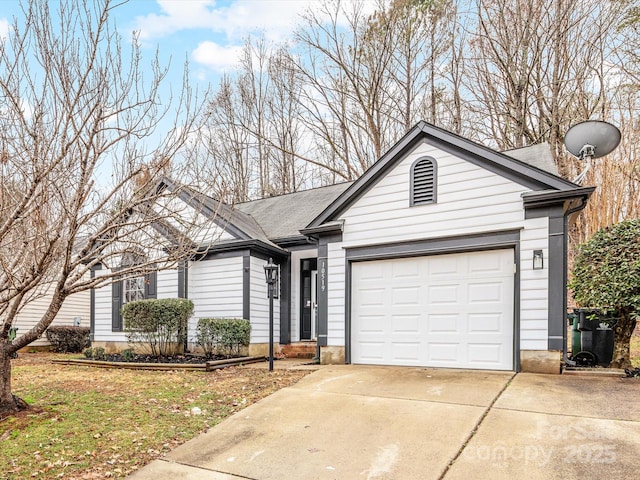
column 423, row 181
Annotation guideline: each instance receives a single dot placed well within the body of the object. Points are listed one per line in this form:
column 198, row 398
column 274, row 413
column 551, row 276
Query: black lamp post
column 271, row 276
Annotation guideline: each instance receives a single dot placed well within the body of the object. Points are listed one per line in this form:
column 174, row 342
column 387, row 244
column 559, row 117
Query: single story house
column 444, row 253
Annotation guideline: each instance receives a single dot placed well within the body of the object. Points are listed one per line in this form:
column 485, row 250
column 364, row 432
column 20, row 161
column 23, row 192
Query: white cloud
column 217, row 57
column 4, row 27
column 276, row 18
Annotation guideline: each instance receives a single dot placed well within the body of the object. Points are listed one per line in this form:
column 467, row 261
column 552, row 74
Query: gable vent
column 423, row 181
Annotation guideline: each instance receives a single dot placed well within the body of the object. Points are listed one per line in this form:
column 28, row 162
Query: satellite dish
column 593, row 139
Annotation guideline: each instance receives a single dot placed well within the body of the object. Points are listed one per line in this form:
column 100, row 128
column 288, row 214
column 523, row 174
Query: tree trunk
column 622, row 341
column 9, row 403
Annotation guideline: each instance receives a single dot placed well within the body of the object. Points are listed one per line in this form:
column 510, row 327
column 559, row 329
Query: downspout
column 567, row 214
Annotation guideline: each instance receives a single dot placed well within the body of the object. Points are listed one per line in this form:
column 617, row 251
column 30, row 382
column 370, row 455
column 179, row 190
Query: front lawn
column 88, row 423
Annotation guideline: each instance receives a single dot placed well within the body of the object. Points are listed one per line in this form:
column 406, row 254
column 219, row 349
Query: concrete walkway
column 351, row 422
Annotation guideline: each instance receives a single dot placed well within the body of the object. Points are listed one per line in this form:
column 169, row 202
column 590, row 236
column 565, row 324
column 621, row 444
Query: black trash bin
column 602, row 339
column 596, row 336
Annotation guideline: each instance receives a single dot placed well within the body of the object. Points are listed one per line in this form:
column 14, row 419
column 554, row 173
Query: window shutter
column 423, row 181
column 151, row 285
column 116, row 306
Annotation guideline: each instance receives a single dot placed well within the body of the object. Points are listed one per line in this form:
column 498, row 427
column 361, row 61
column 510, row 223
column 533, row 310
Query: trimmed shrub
column 68, row 339
column 223, row 335
column 159, row 323
column 128, row 355
column 95, row 353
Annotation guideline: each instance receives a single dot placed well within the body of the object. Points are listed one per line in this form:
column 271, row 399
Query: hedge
column 68, row 339
column 159, row 323
column 223, row 335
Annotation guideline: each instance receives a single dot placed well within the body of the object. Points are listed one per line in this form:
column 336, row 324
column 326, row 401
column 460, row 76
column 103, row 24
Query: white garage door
column 438, row 311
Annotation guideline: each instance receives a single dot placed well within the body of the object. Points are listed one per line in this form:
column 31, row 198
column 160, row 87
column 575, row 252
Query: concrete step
column 299, row 350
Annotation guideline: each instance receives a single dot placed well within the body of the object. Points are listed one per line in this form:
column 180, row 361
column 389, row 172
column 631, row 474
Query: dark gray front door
column 307, row 298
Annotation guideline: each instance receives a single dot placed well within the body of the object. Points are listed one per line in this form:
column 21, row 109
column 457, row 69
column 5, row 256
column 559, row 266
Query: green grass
column 99, row 423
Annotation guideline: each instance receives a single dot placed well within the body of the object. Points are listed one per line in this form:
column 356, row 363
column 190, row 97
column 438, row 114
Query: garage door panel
column 444, row 323
column 405, row 270
column 483, row 323
column 405, row 295
column 372, row 351
column 406, row 324
column 371, row 297
column 444, row 354
column 486, row 292
column 402, row 352
column 440, row 266
column 444, row 294
column 446, row 310
column 491, row 355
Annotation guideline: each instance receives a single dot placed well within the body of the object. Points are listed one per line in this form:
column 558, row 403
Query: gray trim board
column 557, row 282
column 322, row 292
column 544, row 212
column 516, row 307
column 330, row 228
column 553, row 197
column 246, row 286
column 183, row 279
column 255, row 245
column 219, row 255
column 292, row 243
column 285, row 301
column 448, row 245
column 347, row 311
column 454, row 244
column 92, row 306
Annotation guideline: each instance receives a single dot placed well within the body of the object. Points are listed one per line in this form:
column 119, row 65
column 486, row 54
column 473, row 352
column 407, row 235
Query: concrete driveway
column 352, row 422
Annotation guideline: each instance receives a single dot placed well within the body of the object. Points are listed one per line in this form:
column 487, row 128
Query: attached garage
column 453, row 310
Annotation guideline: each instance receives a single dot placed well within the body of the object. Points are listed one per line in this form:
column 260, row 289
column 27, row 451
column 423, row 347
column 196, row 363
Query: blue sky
column 209, row 33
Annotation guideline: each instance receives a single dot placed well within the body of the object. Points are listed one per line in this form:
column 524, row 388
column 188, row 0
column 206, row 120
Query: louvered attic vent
column 423, row 181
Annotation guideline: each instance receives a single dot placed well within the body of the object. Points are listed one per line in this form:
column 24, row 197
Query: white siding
column 335, row 294
column 534, row 286
column 296, row 256
column 76, row 305
column 470, row 199
column 167, row 286
column 215, row 286
column 259, row 305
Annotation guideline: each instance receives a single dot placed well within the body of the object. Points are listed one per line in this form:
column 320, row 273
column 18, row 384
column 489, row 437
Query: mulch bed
column 181, row 359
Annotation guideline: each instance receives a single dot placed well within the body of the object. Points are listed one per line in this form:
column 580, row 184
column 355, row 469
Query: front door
column 308, row 300
column 314, row 303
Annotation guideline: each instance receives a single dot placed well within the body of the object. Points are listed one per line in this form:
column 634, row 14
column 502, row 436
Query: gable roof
column 504, row 164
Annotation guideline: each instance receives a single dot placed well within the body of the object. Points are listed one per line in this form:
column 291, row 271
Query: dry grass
column 88, row 423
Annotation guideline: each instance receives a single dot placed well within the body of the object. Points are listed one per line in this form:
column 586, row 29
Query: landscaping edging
column 205, row 367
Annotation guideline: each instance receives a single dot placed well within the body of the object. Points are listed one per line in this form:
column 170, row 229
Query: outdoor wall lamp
column 271, row 277
column 538, row 260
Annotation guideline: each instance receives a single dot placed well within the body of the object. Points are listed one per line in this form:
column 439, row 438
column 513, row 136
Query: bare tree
column 537, row 67
column 78, row 184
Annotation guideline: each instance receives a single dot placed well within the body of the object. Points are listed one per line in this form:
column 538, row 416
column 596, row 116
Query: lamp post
column 271, row 277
